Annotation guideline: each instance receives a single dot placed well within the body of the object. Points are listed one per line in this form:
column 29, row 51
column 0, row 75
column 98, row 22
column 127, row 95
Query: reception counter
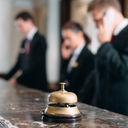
column 21, row 107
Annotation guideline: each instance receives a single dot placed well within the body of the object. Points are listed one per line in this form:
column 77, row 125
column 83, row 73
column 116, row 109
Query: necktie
column 27, row 46
column 113, row 36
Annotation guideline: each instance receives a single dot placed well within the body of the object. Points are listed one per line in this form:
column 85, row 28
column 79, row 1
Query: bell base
column 60, row 119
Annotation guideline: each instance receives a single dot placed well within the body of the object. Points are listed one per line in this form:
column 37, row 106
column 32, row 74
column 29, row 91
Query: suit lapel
column 33, row 40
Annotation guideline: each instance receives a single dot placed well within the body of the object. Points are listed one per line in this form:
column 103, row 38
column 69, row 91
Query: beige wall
column 79, row 11
column 40, row 15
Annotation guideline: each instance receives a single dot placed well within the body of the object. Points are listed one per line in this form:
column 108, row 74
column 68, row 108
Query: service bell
column 62, row 107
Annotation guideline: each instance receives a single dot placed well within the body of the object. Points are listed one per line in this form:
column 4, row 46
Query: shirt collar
column 120, row 27
column 31, row 34
column 78, row 49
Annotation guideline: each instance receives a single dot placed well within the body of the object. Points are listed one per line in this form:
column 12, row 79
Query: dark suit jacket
column 32, row 64
column 111, row 83
column 80, row 72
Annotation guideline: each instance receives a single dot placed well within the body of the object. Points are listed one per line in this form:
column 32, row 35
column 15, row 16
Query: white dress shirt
column 120, row 27
column 75, row 55
column 31, row 34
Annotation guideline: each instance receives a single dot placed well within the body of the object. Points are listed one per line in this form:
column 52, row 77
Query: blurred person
column 79, row 57
column 111, row 85
column 31, row 58
column 66, row 52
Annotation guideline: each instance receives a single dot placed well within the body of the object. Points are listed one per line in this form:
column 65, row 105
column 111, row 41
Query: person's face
column 70, row 37
column 98, row 16
column 23, row 26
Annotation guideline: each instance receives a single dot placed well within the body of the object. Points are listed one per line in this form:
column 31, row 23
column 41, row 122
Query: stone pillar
column 53, row 38
column 5, row 34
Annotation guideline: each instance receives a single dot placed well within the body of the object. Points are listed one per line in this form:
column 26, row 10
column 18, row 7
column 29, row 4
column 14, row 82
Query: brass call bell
column 62, row 107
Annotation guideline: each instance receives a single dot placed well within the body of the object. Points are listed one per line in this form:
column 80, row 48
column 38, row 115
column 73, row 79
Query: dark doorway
column 65, row 11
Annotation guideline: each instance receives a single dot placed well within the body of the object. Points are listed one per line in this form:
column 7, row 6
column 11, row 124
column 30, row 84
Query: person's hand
column 104, row 35
column 13, row 81
column 66, row 51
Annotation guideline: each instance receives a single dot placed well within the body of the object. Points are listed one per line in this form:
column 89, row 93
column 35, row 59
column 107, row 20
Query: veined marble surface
column 21, row 107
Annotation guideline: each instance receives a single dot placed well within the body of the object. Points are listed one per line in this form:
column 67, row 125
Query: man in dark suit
column 80, row 60
column 111, row 85
column 31, row 58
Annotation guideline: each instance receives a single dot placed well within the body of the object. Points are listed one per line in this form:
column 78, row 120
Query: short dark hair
column 100, row 4
column 25, row 16
column 76, row 27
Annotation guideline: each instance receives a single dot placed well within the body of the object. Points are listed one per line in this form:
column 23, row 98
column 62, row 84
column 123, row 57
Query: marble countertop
column 21, row 107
